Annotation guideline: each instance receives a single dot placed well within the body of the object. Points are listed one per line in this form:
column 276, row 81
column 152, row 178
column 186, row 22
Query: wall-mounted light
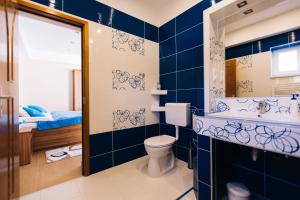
column 91, row 41
column 247, row 12
column 242, row 4
column 99, row 30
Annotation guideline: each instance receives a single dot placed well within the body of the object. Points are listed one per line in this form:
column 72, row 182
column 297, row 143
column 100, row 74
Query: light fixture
column 91, row 41
column 242, row 4
column 248, row 11
column 99, row 30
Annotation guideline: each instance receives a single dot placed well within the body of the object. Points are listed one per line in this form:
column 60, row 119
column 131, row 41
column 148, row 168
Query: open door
column 9, row 153
column 230, row 78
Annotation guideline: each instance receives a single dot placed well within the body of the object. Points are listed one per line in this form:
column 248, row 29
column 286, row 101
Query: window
column 286, row 60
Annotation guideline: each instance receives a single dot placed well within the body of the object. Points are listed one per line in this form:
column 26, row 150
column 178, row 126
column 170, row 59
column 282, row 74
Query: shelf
column 157, row 109
column 159, row 92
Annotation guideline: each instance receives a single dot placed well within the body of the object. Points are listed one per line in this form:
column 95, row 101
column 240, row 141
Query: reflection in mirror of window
column 286, row 60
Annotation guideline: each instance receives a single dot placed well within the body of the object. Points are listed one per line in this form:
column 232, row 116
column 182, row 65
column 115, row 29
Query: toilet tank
column 178, row 114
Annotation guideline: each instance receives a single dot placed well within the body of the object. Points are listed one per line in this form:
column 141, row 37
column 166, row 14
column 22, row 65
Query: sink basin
column 267, row 117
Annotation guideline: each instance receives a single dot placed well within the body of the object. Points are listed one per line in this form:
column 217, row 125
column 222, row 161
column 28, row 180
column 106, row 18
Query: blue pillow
column 33, row 112
column 38, row 108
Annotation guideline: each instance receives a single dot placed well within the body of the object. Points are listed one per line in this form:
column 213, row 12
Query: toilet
column 159, row 148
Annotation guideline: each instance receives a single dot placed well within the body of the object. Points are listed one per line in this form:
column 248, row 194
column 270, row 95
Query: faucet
column 261, row 107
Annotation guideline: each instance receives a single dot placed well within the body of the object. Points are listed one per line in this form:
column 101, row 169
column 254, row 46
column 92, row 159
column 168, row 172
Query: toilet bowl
column 161, row 156
column 159, row 148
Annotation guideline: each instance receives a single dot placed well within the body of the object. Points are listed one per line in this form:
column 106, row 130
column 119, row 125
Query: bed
column 63, row 129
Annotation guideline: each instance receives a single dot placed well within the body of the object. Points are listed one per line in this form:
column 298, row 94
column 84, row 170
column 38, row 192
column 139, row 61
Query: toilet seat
column 159, row 141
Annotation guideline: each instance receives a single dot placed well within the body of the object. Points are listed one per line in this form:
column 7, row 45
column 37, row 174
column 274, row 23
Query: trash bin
column 237, row 191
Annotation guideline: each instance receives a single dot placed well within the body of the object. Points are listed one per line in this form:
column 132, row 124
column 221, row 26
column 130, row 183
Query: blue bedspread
column 61, row 119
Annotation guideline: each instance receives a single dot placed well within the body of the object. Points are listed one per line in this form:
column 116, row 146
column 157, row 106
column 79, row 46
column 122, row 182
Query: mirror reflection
column 263, row 62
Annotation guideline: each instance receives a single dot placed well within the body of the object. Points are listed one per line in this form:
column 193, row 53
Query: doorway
column 59, row 170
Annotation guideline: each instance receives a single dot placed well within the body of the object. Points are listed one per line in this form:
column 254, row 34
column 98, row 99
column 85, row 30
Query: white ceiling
column 156, row 12
column 45, row 39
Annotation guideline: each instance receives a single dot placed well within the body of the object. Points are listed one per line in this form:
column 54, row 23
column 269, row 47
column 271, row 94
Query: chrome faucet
column 261, row 107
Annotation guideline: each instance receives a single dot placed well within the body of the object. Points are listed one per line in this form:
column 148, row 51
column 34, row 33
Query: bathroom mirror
column 260, row 62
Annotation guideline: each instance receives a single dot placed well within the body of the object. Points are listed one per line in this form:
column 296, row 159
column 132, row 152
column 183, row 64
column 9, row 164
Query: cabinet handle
column 7, row 41
column 11, row 76
column 13, row 137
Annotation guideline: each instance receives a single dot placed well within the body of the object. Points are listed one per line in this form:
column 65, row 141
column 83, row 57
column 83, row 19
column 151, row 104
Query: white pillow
column 22, row 112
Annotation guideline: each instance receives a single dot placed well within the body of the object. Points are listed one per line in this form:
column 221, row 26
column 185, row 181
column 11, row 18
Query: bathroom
column 183, row 100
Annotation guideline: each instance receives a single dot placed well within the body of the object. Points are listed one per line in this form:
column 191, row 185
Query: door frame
column 44, row 11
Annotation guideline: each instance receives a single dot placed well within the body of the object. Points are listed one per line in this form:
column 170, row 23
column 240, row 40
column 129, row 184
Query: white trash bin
column 237, row 191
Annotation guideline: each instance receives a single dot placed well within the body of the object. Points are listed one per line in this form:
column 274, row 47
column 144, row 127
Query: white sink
column 267, row 117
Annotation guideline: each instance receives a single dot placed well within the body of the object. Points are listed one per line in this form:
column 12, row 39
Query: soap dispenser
column 294, row 105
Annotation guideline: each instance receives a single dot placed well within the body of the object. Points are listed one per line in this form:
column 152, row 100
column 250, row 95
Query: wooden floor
column 40, row 174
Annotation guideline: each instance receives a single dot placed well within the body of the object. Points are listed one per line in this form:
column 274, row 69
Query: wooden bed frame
column 54, row 138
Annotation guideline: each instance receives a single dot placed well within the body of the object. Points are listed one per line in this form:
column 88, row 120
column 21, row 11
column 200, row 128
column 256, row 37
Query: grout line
column 183, row 70
column 181, row 31
column 176, row 63
column 203, row 183
column 189, row 28
column 166, row 39
column 190, row 89
column 181, row 51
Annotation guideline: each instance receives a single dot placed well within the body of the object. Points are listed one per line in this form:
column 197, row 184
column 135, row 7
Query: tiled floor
column 40, row 174
column 124, row 182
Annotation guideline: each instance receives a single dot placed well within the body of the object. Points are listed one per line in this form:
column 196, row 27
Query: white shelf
column 157, row 109
column 159, row 92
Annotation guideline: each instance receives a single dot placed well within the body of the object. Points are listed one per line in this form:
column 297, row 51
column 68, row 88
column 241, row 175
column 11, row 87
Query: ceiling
column 45, row 39
column 156, row 12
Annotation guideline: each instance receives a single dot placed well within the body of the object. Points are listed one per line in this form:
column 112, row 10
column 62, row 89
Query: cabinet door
column 12, row 81
column 4, row 149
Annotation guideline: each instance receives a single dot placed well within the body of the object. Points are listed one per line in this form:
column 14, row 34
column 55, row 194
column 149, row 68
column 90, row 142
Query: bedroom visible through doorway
column 50, row 102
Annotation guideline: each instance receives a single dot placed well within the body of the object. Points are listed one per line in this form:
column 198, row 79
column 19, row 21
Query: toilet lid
column 160, row 141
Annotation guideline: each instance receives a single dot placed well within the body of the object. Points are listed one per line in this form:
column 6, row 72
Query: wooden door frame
column 44, row 11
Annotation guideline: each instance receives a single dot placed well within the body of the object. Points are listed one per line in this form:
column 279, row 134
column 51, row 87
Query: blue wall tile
column 100, row 143
column 190, row 58
column 167, row 30
column 57, row 5
column 297, row 33
column 167, row 129
column 277, row 190
column 190, row 79
column 238, row 51
column 151, row 32
column 128, row 154
column 167, row 65
column 244, row 157
column 204, row 166
column 273, row 41
column 167, row 47
column 182, row 153
column 152, row 130
column 185, row 137
column 281, row 167
column 99, row 163
column 168, row 81
column 191, row 17
column 169, row 98
column 253, row 180
column 193, row 96
column 127, row 23
column 203, row 142
column 128, row 137
column 265, row 45
column 203, row 191
column 190, row 38
column 91, row 10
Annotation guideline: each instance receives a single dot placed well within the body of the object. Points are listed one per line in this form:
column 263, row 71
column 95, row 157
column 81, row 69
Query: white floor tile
column 125, row 182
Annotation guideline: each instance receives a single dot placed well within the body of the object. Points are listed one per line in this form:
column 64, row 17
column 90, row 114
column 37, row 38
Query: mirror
column 262, row 48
